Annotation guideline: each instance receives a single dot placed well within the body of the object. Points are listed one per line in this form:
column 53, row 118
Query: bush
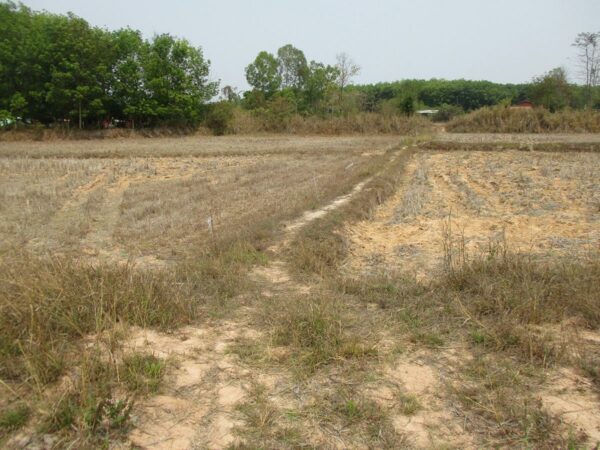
column 219, row 118
column 407, row 105
column 447, row 112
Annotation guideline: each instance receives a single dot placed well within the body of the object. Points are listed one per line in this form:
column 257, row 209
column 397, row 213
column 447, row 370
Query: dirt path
column 197, row 408
column 275, row 274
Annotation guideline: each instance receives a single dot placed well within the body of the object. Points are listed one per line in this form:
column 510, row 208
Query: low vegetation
column 327, row 355
column 64, row 319
column 501, row 119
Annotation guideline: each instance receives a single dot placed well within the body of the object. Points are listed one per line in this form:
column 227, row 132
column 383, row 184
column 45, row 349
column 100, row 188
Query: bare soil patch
column 543, row 204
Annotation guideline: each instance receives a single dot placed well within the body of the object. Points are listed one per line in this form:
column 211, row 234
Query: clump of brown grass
column 367, row 422
column 500, row 119
column 41, row 133
column 90, row 410
column 46, row 305
column 318, row 331
column 499, row 394
column 550, row 147
column 243, row 122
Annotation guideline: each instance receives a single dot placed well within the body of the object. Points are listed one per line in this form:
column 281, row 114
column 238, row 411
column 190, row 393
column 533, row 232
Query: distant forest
column 58, row 70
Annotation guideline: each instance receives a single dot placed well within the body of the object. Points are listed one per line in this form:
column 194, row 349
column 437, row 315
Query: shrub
column 219, row 118
column 447, row 112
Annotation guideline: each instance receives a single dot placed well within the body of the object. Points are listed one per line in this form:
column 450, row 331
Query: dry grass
column 41, row 133
column 384, row 359
column 155, row 210
column 318, row 248
column 544, row 204
column 247, row 122
column 197, row 146
column 519, row 317
column 500, row 119
column 65, row 317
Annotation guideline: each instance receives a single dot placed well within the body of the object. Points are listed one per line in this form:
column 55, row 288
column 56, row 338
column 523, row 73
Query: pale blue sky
column 497, row 40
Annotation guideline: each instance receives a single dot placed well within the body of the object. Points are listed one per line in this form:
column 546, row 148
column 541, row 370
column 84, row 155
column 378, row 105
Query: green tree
column 263, row 74
column 407, row 105
column 551, row 90
column 18, row 105
column 292, row 67
column 55, row 67
column 219, row 117
column 319, row 83
column 176, row 80
column 129, row 97
column 79, row 60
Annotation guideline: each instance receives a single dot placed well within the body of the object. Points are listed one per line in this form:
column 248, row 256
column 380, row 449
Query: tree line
column 58, row 69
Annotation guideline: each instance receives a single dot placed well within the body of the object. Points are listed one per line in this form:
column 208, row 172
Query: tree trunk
column 80, row 114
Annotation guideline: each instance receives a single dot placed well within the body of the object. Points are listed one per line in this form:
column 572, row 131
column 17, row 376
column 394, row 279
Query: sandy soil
column 196, row 409
column 199, row 407
column 539, row 203
column 571, row 397
column 545, row 204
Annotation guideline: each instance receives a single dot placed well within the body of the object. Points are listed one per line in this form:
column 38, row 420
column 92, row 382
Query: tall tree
column 263, row 74
column 588, row 45
column 56, row 67
column 230, row 94
column 292, row 66
column 347, row 69
column 319, row 81
column 176, row 79
column 129, row 95
column 78, row 59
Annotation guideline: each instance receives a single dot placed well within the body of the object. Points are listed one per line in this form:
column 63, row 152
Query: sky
column 506, row 41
